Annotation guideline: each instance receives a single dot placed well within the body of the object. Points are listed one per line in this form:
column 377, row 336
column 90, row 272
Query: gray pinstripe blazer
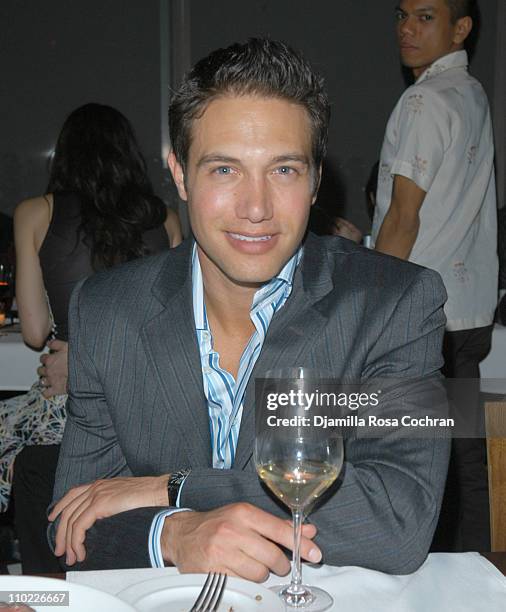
column 137, row 406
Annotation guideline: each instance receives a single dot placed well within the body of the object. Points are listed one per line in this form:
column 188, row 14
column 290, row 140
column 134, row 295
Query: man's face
column 249, row 185
column 426, row 33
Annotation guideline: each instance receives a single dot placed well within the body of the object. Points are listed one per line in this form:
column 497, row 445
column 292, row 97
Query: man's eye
column 285, row 170
column 426, row 17
column 223, row 170
column 399, row 15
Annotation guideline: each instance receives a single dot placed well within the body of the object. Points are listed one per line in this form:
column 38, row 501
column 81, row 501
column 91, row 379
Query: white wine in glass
column 298, row 486
column 297, row 463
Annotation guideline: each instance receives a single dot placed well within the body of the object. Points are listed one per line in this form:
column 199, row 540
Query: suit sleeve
column 90, row 451
column 384, row 513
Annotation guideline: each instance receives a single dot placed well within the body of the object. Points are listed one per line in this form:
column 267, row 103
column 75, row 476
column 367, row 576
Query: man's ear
column 463, row 28
column 178, row 175
column 318, row 180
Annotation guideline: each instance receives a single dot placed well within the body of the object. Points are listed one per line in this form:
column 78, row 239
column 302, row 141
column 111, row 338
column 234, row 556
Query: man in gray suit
column 164, row 352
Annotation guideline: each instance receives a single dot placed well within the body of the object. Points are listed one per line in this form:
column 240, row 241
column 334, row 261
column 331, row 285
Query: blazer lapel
column 290, row 337
column 171, row 345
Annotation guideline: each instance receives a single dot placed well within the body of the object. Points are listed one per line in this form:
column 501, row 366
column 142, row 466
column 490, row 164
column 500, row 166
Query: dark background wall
column 58, row 54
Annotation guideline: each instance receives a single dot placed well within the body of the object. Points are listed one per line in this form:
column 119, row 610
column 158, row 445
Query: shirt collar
column 285, row 275
column 267, row 292
column 456, row 59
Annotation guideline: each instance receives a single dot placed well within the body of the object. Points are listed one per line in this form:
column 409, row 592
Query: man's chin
column 406, row 63
column 251, row 281
column 253, row 278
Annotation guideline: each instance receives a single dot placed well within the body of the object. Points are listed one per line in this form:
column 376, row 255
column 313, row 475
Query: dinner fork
column 210, row 596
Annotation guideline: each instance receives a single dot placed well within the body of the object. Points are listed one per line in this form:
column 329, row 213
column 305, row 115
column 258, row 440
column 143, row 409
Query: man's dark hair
column 461, row 8
column 467, row 8
column 260, row 66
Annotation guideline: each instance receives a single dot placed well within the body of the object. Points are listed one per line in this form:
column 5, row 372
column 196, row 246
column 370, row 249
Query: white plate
column 178, row 594
column 82, row 598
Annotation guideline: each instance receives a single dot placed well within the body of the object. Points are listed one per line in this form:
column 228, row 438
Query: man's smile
column 249, row 237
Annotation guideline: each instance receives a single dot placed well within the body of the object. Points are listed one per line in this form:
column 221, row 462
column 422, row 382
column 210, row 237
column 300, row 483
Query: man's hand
column 82, row 506
column 54, row 369
column 238, row 539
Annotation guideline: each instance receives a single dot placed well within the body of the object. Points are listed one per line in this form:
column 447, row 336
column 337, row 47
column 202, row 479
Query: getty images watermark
column 421, row 408
column 313, row 402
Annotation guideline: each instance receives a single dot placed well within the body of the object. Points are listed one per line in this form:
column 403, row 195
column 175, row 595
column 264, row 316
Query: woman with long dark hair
column 99, row 210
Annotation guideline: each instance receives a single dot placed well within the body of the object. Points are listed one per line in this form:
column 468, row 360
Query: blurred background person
column 99, row 210
column 436, row 206
column 324, row 223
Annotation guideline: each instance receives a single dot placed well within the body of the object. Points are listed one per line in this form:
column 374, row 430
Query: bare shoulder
column 34, row 210
column 31, row 220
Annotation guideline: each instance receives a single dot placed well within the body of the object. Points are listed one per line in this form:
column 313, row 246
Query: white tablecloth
column 457, row 582
column 18, row 363
column 493, row 367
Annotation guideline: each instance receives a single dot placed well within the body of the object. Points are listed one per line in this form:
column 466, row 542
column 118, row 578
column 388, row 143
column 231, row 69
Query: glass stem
column 296, row 582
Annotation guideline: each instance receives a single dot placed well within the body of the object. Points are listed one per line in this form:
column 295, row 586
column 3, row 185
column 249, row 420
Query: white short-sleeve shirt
column 440, row 136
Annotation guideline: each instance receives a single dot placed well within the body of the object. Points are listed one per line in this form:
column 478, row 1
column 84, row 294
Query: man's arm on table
column 116, row 510
column 383, row 515
column 399, row 229
column 90, row 451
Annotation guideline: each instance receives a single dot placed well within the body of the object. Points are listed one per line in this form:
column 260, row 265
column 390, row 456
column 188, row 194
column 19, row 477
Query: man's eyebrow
column 422, row 9
column 291, row 157
column 212, row 158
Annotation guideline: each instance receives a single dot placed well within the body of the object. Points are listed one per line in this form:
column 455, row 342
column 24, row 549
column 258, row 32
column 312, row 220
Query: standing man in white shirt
column 436, row 206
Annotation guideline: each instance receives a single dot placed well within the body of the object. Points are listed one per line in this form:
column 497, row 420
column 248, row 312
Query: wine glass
column 297, row 461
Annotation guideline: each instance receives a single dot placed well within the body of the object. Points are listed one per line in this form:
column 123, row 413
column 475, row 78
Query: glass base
column 309, row 599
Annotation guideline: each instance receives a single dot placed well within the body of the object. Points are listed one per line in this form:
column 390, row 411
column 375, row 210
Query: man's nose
column 406, row 26
column 255, row 201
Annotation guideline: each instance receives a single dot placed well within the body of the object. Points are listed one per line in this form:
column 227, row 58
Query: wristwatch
column 174, row 484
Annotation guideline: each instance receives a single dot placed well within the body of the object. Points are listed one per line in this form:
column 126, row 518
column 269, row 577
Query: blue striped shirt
column 225, row 394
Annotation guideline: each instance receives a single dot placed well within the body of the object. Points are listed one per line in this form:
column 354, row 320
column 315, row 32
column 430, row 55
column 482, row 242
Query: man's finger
column 279, row 531
column 61, row 533
column 86, row 519
column 76, row 531
column 308, row 529
column 64, row 535
column 268, row 554
column 249, row 567
column 67, row 499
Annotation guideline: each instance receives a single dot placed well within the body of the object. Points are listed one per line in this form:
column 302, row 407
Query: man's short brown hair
column 259, row 66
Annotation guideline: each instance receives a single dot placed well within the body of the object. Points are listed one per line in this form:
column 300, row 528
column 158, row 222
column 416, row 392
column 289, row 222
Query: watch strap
column 174, row 484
